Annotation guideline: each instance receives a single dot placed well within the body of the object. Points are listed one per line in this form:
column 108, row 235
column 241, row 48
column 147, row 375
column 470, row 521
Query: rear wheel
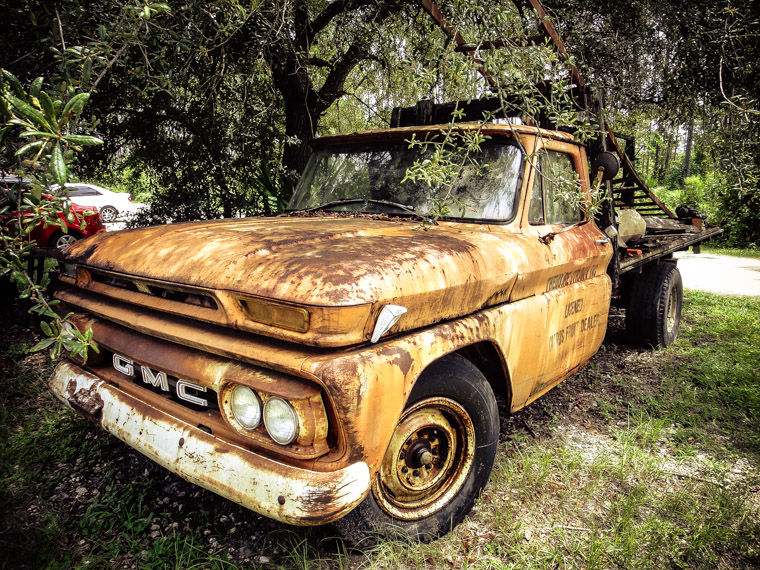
column 108, row 213
column 653, row 312
column 439, row 458
column 60, row 240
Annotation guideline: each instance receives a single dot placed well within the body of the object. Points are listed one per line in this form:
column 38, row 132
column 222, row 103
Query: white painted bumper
column 282, row 492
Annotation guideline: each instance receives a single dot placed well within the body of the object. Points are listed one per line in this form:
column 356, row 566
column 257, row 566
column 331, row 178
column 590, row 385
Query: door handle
column 603, row 240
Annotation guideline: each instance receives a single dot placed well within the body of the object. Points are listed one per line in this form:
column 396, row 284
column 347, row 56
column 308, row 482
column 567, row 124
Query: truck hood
column 322, row 264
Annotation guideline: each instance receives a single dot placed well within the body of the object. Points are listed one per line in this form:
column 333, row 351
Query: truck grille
column 163, row 292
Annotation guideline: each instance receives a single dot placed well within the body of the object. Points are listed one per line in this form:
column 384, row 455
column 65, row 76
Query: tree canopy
column 210, row 107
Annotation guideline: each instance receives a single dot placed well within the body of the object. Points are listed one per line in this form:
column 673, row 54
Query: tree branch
column 332, row 88
column 309, row 31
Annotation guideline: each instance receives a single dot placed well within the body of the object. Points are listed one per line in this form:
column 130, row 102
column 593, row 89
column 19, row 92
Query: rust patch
column 398, row 356
column 86, row 401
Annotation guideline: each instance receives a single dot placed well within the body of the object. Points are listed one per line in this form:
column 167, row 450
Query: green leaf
column 46, row 328
column 18, row 278
column 42, row 345
column 28, row 134
column 48, row 108
column 36, row 87
column 15, row 84
column 22, row 123
column 87, row 71
column 29, row 147
column 74, row 107
column 83, row 140
column 58, row 166
column 29, row 113
column 5, row 111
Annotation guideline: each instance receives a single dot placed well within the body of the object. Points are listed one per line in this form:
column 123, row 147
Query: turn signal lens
column 246, row 407
column 280, row 420
column 276, row 314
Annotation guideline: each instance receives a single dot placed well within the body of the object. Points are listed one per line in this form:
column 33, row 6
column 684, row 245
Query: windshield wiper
column 404, row 207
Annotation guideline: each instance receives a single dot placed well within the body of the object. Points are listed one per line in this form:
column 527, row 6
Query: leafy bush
column 39, row 138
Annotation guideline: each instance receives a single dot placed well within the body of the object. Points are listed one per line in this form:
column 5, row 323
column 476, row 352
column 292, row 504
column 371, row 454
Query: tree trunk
column 299, row 124
column 687, row 155
column 667, row 155
column 646, row 165
column 657, row 171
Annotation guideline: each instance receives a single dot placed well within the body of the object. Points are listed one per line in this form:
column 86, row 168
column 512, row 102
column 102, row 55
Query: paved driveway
column 720, row 274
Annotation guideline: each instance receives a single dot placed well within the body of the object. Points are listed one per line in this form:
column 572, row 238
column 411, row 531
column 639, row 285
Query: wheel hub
column 420, row 452
column 428, row 458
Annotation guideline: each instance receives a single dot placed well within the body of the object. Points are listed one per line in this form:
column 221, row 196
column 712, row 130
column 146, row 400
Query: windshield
column 369, row 179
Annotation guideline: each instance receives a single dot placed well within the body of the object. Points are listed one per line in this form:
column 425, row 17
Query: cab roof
column 402, row 133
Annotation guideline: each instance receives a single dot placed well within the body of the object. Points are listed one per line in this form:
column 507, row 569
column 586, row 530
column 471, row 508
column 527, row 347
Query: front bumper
column 282, row 492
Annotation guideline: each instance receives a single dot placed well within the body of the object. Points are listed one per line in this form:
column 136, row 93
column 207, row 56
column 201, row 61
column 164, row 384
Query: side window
column 83, row 192
column 554, row 187
column 536, row 208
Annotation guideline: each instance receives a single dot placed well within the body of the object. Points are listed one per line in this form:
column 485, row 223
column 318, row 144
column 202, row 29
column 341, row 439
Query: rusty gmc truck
column 342, row 362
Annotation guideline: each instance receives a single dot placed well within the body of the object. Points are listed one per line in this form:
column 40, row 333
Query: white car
column 112, row 205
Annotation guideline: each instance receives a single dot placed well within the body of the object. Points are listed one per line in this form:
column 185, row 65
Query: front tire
column 59, row 240
column 439, row 458
column 653, row 312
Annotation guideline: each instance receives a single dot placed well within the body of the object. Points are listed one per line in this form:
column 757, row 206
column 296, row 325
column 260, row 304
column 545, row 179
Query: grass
column 734, row 252
column 645, row 459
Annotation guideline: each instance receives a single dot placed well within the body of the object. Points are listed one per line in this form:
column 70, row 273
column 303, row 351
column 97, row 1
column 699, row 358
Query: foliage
column 204, row 99
column 739, row 194
column 661, row 69
column 516, row 78
column 38, row 125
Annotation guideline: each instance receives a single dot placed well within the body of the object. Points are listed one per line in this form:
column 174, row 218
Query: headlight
column 246, row 407
column 280, row 420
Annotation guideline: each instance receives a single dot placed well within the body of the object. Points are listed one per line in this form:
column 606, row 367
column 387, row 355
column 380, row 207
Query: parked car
column 112, row 205
column 47, row 235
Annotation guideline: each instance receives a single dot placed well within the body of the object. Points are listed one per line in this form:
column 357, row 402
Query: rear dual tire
column 653, row 311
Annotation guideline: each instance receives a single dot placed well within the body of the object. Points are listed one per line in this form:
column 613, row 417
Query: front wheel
column 60, row 240
column 439, row 458
column 653, row 312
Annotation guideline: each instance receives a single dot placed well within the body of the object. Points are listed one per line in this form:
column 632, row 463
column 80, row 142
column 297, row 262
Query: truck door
column 567, row 269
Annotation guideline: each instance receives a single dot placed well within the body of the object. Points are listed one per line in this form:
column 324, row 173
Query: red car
column 52, row 235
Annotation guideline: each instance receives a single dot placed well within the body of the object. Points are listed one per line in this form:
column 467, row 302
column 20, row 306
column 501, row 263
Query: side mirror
column 607, row 161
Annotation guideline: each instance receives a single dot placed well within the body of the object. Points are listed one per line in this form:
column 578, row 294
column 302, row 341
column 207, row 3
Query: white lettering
column 155, row 379
column 123, row 365
column 183, row 385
